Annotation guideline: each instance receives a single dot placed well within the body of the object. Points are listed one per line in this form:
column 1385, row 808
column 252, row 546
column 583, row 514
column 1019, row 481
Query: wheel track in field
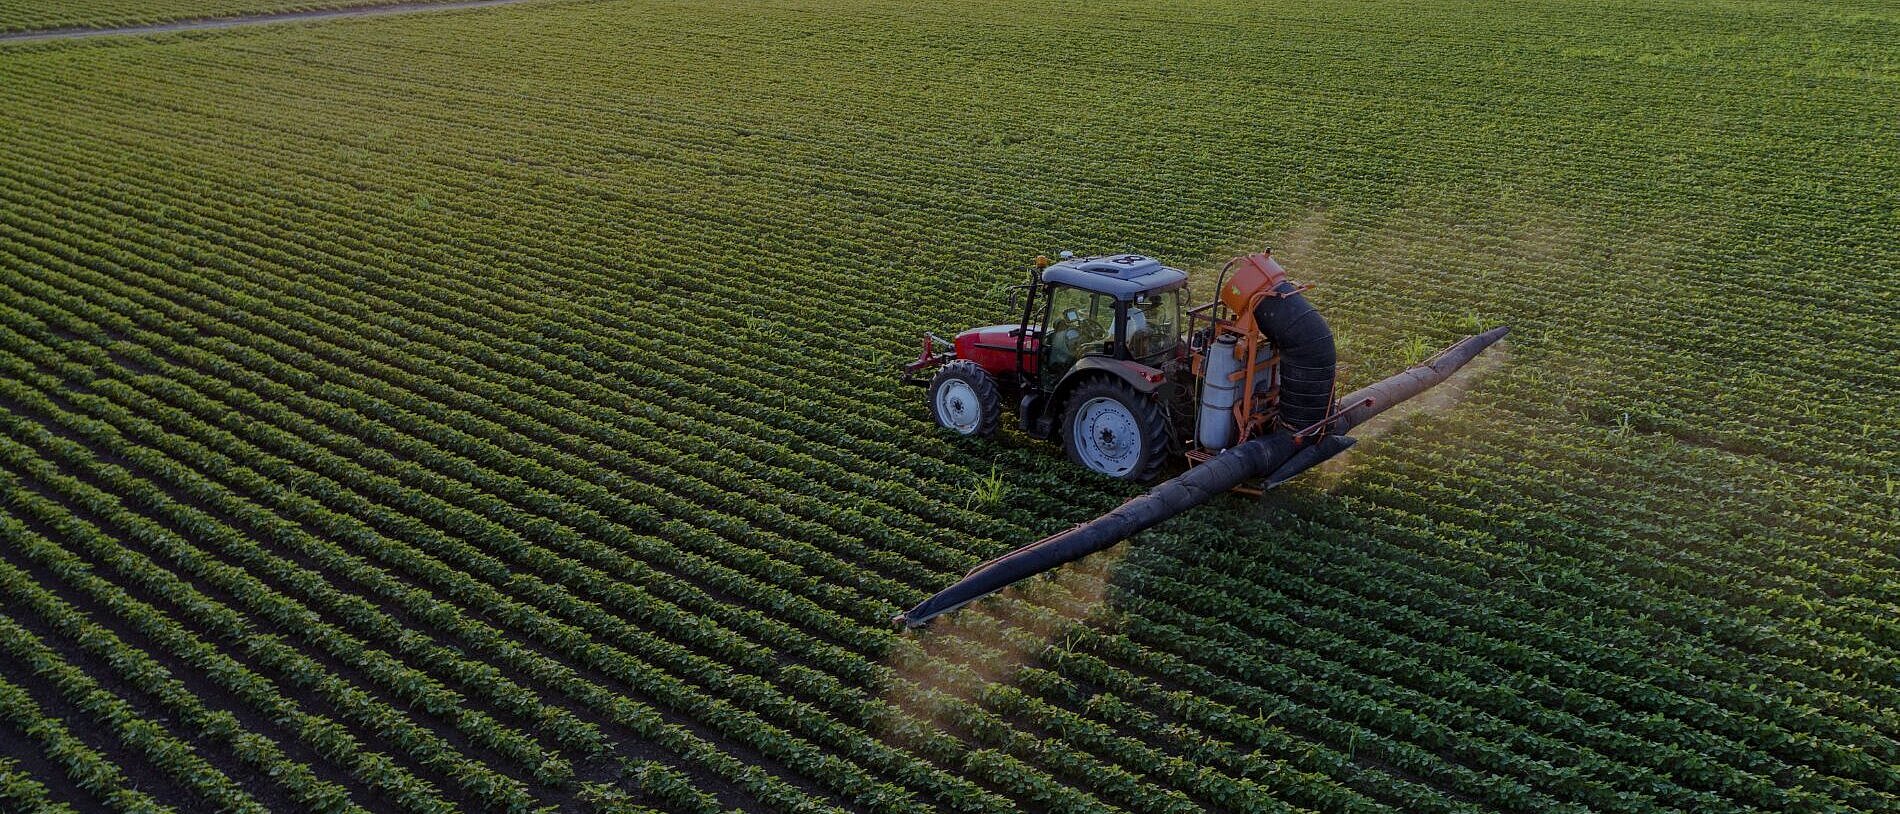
column 242, row 20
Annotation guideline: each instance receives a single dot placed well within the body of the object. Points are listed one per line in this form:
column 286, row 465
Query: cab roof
column 1122, row 276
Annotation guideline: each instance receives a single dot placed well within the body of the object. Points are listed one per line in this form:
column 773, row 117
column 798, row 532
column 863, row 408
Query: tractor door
column 1076, row 323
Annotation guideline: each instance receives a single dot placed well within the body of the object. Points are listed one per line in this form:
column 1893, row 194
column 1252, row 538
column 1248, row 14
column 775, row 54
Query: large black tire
column 1109, row 427
column 964, row 400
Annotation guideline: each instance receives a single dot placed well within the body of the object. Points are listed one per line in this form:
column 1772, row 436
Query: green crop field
column 37, row 15
column 497, row 409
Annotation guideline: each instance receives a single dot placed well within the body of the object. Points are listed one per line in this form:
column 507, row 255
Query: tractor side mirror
column 1016, row 293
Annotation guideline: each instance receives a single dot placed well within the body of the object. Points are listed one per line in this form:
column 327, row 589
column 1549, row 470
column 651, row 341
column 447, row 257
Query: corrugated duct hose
column 1308, row 360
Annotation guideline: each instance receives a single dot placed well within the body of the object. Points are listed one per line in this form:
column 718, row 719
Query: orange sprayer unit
column 1257, row 323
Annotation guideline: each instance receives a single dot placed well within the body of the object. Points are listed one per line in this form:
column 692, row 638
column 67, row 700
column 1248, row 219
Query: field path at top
column 209, row 23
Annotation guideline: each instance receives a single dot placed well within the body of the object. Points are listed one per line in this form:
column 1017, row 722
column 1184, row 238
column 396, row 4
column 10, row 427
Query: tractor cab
column 1125, row 307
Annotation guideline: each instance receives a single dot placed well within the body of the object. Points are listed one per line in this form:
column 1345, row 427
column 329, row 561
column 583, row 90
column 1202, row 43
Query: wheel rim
column 958, row 407
column 1106, row 437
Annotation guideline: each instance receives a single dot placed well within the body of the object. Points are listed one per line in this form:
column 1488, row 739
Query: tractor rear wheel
column 963, row 399
column 1112, row 429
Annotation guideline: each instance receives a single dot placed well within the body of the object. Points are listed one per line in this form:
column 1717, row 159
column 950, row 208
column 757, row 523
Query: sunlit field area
column 498, row 409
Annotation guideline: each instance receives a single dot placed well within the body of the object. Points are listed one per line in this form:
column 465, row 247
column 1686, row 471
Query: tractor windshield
column 1153, row 326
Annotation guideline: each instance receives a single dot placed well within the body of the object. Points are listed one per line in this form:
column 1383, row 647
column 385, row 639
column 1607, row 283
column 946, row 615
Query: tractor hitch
column 937, row 351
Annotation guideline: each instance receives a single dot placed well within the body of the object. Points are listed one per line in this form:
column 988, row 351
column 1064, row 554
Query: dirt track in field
column 212, row 23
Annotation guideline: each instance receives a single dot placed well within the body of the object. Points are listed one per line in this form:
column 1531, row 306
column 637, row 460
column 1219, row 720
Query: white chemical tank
column 1219, row 394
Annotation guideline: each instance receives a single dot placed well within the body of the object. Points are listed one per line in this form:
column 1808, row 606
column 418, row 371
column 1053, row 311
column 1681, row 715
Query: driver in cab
column 1144, row 329
column 1074, row 330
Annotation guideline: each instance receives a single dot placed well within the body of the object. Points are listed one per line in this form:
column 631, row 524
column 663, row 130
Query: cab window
column 1153, row 327
column 1080, row 323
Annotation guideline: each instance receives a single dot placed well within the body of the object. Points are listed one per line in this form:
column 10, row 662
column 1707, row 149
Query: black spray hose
column 1278, row 456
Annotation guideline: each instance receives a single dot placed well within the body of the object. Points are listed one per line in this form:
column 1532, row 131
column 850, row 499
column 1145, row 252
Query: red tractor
column 1109, row 362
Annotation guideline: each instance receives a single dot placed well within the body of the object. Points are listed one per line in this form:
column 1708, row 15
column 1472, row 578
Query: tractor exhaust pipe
column 1278, row 456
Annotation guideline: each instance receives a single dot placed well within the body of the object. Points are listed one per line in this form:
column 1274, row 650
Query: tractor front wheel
column 1112, row 429
column 963, row 398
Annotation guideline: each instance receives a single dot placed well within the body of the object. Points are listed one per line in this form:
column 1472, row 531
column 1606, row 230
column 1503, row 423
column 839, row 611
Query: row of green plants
column 618, row 710
column 134, row 665
column 26, row 794
column 84, row 767
column 852, row 603
column 388, row 725
column 1494, row 674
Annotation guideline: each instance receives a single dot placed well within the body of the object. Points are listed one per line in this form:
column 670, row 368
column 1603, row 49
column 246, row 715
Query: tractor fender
column 1146, row 380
